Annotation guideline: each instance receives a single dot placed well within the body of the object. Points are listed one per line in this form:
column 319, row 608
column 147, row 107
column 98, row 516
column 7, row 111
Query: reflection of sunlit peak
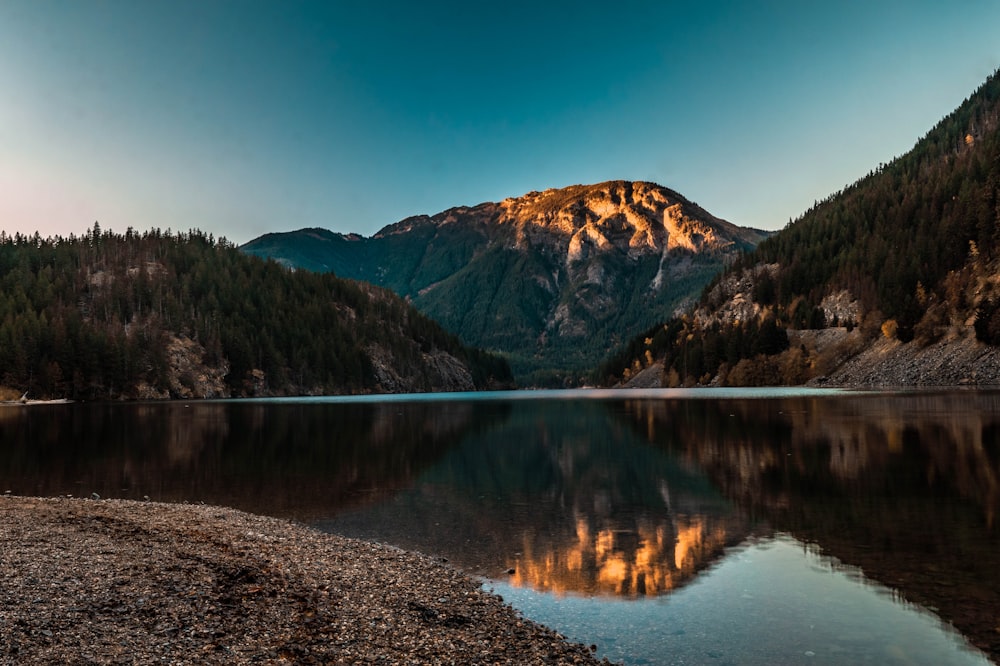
column 604, row 543
column 574, row 560
column 650, row 559
column 582, row 530
column 646, row 555
column 689, row 541
column 612, row 573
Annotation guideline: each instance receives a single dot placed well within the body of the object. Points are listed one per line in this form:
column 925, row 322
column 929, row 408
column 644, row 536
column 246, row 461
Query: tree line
column 914, row 242
column 892, row 238
column 92, row 316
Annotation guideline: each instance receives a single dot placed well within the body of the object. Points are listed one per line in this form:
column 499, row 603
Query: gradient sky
column 240, row 117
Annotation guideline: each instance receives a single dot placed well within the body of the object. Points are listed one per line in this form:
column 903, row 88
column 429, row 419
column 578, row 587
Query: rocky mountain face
column 553, row 279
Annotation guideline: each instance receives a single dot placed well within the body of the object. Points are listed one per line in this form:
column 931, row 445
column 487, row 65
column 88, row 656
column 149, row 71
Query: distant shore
column 957, row 361
column 116, row 581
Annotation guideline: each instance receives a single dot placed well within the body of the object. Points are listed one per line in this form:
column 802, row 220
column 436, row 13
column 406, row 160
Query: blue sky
column 241, row 117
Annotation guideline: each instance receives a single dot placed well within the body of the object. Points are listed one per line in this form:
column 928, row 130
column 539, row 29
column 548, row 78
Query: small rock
column 94, row 496
column 511, row 572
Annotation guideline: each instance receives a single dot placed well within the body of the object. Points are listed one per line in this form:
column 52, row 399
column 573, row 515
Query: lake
column 664, row 527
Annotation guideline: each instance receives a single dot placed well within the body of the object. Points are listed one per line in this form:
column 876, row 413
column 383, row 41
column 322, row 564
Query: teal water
column 751, row 393
column 769, row 601
column 664, row 527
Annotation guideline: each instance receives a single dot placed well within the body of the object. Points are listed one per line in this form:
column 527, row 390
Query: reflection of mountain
column 568, row 498
column 905, row 487
column 625, row 498
column 650, row 559
column 287, row 459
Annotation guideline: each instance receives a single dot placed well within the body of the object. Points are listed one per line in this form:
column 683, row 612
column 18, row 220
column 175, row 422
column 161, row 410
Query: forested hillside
column 891, row 238
column 550, row 279
column 907, row 253
column 158, row 315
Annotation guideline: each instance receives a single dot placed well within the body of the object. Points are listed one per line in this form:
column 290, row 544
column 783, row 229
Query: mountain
column 552, row 279
column 157, row 315
column 893, row 280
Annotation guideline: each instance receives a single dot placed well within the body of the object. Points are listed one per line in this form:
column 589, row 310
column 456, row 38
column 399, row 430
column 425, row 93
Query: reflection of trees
column 905, row 487
column 291, row 459
column 626, row 499
column 566, row 496
column 940, row 444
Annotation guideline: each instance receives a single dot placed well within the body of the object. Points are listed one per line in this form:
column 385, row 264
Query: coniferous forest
column 161, row 314
column 914, row 245
column 893, row 236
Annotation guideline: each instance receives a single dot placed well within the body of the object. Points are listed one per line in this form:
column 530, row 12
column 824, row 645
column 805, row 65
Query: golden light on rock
column 613, row 573
column 689, row 543
column 645, row 561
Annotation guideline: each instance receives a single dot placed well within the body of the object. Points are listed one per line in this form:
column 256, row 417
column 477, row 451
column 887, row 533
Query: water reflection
column 285, row 459
column 569, row 498
column 904, row 487
column 770, row 601
column 649, row 560
column 625, row 498
column 949, row 441
column 901, row 487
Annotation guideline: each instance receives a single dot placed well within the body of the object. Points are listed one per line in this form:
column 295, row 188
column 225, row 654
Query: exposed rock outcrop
column 190, row 377
column 959, row 360
column 438, row 371
column 554, row 279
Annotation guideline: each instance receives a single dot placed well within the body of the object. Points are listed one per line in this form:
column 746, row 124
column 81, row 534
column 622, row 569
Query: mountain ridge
column 552, row 278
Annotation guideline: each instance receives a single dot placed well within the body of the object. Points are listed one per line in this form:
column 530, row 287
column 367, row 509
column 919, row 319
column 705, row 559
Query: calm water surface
column 665, row 527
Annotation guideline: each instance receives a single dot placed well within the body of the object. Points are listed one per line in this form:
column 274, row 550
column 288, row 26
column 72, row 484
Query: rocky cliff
column 553, row 279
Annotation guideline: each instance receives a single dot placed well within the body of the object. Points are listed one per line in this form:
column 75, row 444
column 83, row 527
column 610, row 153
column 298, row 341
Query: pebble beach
column 125, row 582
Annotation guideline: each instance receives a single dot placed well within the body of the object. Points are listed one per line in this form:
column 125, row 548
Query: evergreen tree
column 95, row 316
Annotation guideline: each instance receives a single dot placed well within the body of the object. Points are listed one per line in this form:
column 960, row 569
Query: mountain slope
column 157, row 315
column 908, row 254
column 553, row 279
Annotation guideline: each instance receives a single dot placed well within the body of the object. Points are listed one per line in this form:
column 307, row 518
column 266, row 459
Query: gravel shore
column 120, row 582
column 956, row 361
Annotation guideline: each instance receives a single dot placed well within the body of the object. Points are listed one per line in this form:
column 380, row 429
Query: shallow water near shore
column 665, row 527
column 769, row 601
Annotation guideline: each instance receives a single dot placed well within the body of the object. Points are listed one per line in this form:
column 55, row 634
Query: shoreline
column 31, row 403
column 123, row 581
